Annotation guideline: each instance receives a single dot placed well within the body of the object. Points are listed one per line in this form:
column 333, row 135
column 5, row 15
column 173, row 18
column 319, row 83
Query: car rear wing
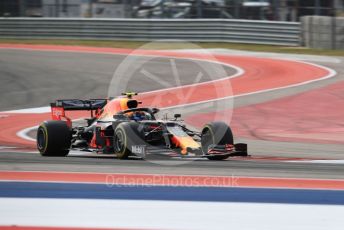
column 76, row 104
column 59, row 107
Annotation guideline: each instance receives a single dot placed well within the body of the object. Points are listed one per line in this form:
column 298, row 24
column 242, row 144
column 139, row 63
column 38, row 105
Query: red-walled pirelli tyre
column 126, row 136
column 54, row 138
column 216, row 133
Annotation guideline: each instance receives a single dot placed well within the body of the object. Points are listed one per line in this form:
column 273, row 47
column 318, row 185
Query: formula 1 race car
column 119, row 126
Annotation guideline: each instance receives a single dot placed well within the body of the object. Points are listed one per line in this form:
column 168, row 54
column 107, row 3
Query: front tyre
column 216, row 133
column 54, row 138
column 126, row 136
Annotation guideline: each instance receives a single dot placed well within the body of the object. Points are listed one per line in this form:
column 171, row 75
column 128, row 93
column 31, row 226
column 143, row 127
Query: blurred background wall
column 277, row 10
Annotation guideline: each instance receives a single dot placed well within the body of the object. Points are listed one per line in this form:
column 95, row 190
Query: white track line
column 331, row 74
column 24, row 133
column 285, row 56
column 45, row 109
column 319, row 161
column 239, row 72
column 7, row 147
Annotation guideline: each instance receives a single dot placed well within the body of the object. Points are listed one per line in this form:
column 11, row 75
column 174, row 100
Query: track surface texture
column 31, row 78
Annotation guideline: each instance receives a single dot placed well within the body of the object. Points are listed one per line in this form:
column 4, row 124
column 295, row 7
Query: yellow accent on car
column 124, row 103
column 129, row 94
column 187, row 142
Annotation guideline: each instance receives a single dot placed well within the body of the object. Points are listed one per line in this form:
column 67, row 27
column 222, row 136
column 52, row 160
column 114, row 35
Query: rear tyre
column 126, row 135
column 54, row 138
column 216, row 133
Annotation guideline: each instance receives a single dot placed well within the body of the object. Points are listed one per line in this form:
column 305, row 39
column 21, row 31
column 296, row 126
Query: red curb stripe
column 172, row 180
column 13, row 123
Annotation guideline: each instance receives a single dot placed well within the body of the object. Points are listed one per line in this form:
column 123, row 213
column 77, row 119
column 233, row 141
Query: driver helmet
column 138, row 116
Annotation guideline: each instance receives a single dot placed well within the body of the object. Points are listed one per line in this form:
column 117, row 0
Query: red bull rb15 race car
column 121, row 127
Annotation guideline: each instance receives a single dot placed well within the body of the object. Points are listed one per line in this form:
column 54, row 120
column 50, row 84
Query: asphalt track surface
column 34, row 78
column 107, row 164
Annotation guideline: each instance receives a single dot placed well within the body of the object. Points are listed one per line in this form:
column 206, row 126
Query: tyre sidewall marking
column 124, row 140
column 212, row 133
column 45, row 133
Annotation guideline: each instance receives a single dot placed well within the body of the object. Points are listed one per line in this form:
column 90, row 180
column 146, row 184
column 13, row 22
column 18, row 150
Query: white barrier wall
column 322, row 32
column 206, row 30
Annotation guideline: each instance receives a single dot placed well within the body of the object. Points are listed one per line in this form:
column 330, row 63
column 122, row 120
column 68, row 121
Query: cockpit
column 137, row 114
column 140, row 116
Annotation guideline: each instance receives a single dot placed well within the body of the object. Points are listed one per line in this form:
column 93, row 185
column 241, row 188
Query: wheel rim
column 41, row 139
column 119, row 142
